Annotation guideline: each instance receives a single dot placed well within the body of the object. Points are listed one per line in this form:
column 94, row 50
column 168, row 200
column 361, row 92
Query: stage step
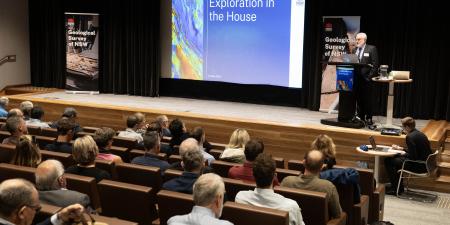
column 445, row 156
column 443, row 179
column 444, row 168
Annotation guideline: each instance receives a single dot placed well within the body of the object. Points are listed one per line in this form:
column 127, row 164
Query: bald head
column 47, row 175
column 16, row 193
column 187, row 145
column 313, row 161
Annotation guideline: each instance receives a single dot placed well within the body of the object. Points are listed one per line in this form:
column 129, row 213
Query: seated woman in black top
column 84, row 153
column 326, row 145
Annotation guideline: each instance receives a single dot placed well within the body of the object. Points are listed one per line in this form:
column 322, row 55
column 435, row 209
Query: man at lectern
column 367, row 54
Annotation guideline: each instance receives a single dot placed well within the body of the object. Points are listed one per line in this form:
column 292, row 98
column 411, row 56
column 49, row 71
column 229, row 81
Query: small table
column 390, row 102
column 391, row 152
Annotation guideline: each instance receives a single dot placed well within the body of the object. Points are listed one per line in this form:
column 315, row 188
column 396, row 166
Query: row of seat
column 137, row 203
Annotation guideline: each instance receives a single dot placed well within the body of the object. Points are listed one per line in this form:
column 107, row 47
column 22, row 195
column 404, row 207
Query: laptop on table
column 375, row 147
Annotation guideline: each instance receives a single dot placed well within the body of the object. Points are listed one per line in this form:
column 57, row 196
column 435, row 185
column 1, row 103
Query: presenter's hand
column 71, row 213
column 396, row 147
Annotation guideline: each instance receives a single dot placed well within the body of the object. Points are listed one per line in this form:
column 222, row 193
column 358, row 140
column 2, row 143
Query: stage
column 287, row 132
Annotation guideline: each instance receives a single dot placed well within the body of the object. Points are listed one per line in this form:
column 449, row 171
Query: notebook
column 375, row 147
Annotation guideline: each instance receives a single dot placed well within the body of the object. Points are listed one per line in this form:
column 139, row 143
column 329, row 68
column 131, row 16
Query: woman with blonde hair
column 326, row 145
column 27, row 153
column 84, row 152
column 234, row 152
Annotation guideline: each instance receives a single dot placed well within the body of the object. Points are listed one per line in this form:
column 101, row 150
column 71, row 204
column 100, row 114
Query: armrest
column 361, row 211
column 339, row 221
column 378, row 202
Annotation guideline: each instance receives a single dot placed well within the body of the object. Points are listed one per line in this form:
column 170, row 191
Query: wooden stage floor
column 286, row 131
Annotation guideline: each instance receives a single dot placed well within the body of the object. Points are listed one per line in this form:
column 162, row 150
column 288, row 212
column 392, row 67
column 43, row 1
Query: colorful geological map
column 187, row 39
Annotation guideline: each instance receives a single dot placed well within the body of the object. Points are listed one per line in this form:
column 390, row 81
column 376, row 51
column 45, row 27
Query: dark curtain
column 47, row 43
column 131, row 54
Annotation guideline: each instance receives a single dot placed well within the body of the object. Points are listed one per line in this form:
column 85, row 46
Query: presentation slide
column 238, row 41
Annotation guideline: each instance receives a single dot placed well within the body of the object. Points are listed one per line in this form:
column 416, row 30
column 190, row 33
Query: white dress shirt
column 269, row 199
column 231, row 152
column 37, row 123
column 198, row 216
column 130, row 133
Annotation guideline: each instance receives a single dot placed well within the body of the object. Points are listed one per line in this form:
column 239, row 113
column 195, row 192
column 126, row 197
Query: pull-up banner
column 82, row 68
column 339, row 37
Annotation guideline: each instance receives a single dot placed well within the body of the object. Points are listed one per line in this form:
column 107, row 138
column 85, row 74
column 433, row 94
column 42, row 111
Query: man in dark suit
column 51, row 184
column 418, row 148
column 367, row 54
column 19, row 203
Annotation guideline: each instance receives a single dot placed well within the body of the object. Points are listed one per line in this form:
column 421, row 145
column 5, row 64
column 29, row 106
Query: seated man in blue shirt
column 193, row 163
column 150, row 158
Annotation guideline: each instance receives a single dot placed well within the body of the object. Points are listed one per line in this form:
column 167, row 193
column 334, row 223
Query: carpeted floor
column 407, row 212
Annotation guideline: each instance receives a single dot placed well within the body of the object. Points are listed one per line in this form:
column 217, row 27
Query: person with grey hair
column 152, row 148
column 17, row 127
column 35, row 119
column 19, row 203
column 367, row 54
column 164, row 122
column 209, row 191
column 15, row 112
column 26, row 107
column 187, row 145
column 51, row 184
column 69, row 113
column 3, row 104
column 193, row 163
column 134, row 123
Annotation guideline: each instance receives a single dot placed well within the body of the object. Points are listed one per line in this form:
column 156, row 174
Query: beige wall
column 14, row 40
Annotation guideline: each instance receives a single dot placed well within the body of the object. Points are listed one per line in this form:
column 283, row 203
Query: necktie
column 359, row 53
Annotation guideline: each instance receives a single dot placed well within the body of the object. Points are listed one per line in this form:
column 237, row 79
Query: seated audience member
column 26, row 107
column 36, row 114
column 65, row 128
column 84, row 153
column 253, row 148
column 15, row 112
column 3, row 105
column 103, row 137
column 163, row 121
column 193, row 163
column 326, row 145
column 71, row 114
column 264, row 196
column 156, row 127
column 51, row 185
column 17, row 127
column 133, row 125
column 189, row 144
column 142, row 123
column 209, row 191
column 310, row 181
column 417, row 148
column 199, row 134
column 27, row 153
column 19, row 203
column 150, row 158
column 234, row 152
column 178, row 131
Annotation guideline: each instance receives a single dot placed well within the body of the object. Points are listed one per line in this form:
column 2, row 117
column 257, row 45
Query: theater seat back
column 173, row 203
column 242, row 214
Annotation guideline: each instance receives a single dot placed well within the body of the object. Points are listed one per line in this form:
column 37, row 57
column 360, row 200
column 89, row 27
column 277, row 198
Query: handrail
column 8, row 58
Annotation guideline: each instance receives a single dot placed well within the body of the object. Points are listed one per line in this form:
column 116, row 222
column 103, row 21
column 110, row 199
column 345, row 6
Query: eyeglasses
column 36, row 208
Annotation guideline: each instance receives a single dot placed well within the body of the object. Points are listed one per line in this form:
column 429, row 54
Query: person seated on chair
column 103, row 137
column 51, row 184
column 19, row 204
column 326, row 145
column 209, row 192
column 234, row 152
column 70, row 113
column 17, row 127
column 15, row 112
column 133, row 125
column 253, row 148
column 199, row 134
column 264, row 196
column 187, row 145
column 4, row 101
column 193, row 163
column 163, row 121
column 27, row 153
column 65, row 128
column 150, row 157
column 26, row 107
column 179, row 132
column 310, row 181
column 84, row 153
column 418, row 148
column 156, row 127
column 142, row 123
column 36, row 115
